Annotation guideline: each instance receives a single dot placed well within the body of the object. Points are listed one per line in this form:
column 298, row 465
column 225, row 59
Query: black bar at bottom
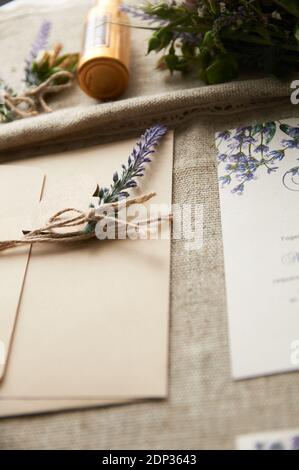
column 149, row 458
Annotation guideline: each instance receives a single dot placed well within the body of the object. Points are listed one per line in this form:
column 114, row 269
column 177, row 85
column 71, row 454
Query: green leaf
column 172, row 61
column 154, row 43
column 285, row 128
column 257, row 129
column 290, row 131
column 166, row 37
column 203, row 75
column 60, row 59
column 271, row 128
column 163, row 11
column 204, row 57
column 222, row 69
column 208, row 39
column 292, row 6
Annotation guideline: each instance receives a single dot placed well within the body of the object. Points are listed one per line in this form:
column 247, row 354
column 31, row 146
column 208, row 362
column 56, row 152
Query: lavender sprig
column 138, row 13
column 135, row 167
column 39, row 44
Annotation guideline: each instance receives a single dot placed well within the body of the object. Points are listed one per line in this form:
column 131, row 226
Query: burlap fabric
column 205, row 409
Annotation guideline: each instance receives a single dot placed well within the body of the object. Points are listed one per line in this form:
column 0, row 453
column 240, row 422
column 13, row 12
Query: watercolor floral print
column 245, row 152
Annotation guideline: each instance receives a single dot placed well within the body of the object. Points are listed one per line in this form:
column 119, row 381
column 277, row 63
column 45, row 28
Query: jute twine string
column 49, row 234
column 34, row 98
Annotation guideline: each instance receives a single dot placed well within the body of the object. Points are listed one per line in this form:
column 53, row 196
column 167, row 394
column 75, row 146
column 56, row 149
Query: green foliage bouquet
column 218, row 39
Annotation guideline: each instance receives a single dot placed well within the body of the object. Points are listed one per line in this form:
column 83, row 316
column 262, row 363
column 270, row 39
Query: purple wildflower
column 243, row 130
column 223, row 135
column 240, row 136
column 276, row 155
column 222, row 157
column 290, row 144
column 226, row 179
column 243, row 167
column 249, row 140
column 135, row 168
column 189, row 38
column 249, row 176
column 233, row 145
column 40, row 42
column 261, row 148
column 138, row 13
column 238, row 189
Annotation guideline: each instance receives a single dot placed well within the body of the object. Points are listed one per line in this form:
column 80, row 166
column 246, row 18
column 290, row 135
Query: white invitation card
column 258, row 170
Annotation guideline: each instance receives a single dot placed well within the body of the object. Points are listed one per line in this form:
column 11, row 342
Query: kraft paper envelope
column 93, row 319
column 20, row 190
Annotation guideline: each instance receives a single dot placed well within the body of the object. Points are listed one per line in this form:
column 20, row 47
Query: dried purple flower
column 39, row 44
column 138, row 13
column 135, row 167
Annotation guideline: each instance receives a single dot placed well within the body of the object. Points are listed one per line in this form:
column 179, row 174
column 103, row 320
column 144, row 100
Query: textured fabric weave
column 205, row 409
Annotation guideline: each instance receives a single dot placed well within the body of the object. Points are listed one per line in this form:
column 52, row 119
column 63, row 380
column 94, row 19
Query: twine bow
column 50, row 232
column 34, row 98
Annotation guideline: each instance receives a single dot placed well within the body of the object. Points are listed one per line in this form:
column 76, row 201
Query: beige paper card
column 93, row 320
column 20, row 190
